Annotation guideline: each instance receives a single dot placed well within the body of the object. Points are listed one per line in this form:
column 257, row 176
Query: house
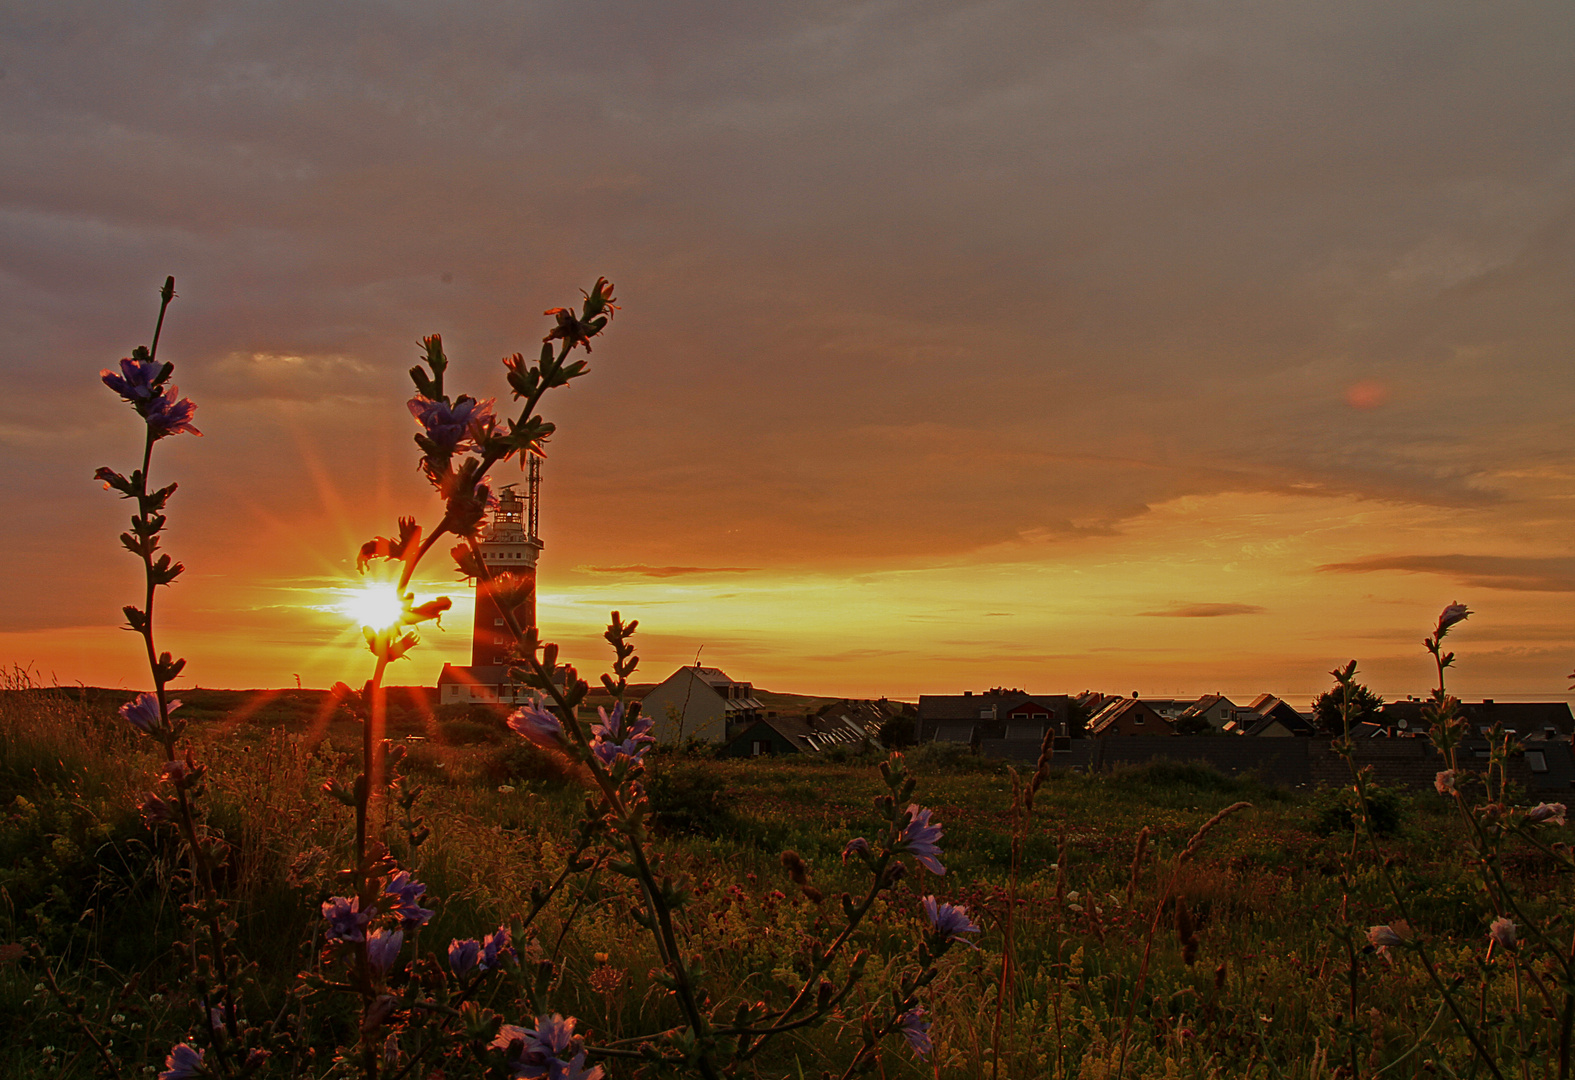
column 999, row 713
column 826, row 730
column 1128, row 716
column 700, row 703
column 1217, row 709
column 1271, row 717
column 1543, row 720
column 481, row 684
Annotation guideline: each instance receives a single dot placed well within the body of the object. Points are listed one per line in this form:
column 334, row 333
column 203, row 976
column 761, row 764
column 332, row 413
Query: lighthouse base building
column 509, row 546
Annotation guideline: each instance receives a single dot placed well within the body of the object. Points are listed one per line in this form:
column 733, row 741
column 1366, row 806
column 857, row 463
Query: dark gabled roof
column 1207, row 702
column 963, row 706
column 809, row 734
column 1118, row 708
column 954, row 731
column 1523, row 717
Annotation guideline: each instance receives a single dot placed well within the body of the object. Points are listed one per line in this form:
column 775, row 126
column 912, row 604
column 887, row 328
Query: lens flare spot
column 1367, row 394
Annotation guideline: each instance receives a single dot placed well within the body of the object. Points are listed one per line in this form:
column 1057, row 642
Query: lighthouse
column 509, row 545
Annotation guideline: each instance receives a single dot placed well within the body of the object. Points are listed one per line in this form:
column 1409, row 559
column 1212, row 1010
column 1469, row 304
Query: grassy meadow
column 1257, row 966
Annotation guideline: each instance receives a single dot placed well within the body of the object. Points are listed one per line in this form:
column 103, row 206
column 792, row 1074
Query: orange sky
column 1165, row 347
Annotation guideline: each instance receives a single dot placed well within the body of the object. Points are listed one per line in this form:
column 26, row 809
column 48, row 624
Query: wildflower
column 346, row 920
column 919, row 838
column 406, row 891
column 1546, row 814
column 545, row 1052
column 452, row 428
column 1444, row 782
column 391, row 1049
column 916, row 1029
column 463, row 955
column 949, row 920
column 496, row 949
column 613, row 739
column 1454, row 613
column 382, row 949
column 857, row 846
column 167, row 416
column 1502, row 933
column 138, row 381
column 155, row 808
column 537, row 725
column 143, row 713
column 1386, row 937
column 183, row 1062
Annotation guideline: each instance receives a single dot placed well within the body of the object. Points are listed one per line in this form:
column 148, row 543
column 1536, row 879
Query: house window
column 759, row 747
column 1537, row 760
column 498, row 621
column 1137, row 719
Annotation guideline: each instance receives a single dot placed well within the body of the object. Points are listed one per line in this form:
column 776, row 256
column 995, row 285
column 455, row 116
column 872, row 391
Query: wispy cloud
column 1518, row 574
column 1205, row 611
column 641, row 570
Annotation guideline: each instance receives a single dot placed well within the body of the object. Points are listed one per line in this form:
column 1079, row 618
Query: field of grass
column 1249, row 959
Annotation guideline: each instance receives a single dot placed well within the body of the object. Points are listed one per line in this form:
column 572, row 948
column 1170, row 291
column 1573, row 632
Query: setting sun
column 376, row 605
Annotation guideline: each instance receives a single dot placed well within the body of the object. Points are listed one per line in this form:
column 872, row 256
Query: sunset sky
column 1171, row 347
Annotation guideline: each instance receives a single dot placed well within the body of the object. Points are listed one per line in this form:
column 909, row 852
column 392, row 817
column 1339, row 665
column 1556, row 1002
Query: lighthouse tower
column 509, row 546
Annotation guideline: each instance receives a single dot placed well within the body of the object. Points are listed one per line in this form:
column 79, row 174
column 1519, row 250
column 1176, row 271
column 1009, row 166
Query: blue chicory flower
column 545, row 1053
column 143, row 713
column 406, row 891
column 496, row 949
column 137, row 381
column 382, row 949
column 920, row 837
column 463, row 956
column 346, row 920
column 949, row 920
column 916, row 1029
column 857, row 846
column 183, row 1062
column 1454, row 613
column 168, row 415
column 538, row 725
column 614, row 739
column 452, row 428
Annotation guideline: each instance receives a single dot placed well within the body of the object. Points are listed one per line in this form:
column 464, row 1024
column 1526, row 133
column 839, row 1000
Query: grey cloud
column 1477, row 571
column 1206, row 611
column 899, row 280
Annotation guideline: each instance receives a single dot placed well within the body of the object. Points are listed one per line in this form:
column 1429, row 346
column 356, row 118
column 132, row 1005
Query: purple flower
column 346, row 920
column 916, row 1029
column 183, row 1061
column 1546, row 813
column 1502, row 932
column 496, row 949
column 143, row 713
column 920, row 837
column 857, row 846
column 1454, row 613
column 382, row 949
column 452, row 428
column 1444, row 782
column 551, row 1052
column 613, row 739
column 169, row 416
column 137, row 382
column 406, row 891
column 463, row 955
column 949, row 920
column 538, row 725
